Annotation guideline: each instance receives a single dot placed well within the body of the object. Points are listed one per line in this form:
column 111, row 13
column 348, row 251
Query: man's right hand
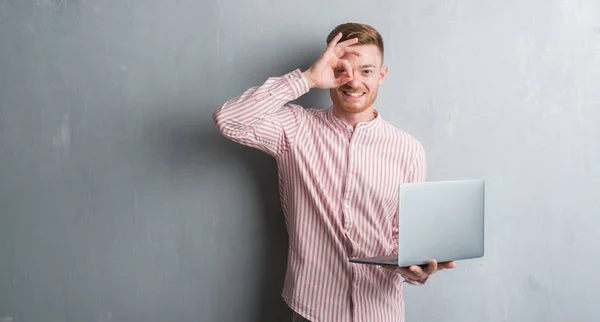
column 322, row 73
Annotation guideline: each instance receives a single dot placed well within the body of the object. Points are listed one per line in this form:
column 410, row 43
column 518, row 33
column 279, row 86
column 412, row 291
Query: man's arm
column 416, row 173
column 261, row 117
column 418, row 274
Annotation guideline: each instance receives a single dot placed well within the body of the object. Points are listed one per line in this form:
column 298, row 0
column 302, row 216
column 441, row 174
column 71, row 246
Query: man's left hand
column 419, row 274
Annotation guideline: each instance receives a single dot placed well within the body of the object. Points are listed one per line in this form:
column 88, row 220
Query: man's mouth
column 353, row 94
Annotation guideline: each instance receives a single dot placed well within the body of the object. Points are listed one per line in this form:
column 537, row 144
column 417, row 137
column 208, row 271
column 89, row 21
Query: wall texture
column 119, row 201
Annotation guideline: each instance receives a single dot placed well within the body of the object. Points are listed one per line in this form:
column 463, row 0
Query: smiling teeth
column 355, row 94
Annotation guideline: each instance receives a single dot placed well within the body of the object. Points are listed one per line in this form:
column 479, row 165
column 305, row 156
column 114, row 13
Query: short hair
column 366, row 34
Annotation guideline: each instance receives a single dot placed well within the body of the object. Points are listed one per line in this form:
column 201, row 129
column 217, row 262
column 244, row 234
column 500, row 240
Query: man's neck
column 354, row 118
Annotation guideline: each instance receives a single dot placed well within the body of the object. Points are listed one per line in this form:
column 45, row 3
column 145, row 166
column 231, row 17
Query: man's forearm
column 256, row 104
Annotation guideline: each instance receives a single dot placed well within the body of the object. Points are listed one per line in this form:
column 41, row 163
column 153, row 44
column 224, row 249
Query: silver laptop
column 441, row 220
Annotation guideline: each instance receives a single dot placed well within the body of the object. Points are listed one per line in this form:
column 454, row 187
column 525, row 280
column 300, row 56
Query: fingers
column 447, row 265
column 407, row 273
column 350, row 50
column 431, row 268
column 348, row 75
column 421, row 273
column 344, row 48
column 348, row 42
column 334, row 41
column 333, row 44
column 418, row 272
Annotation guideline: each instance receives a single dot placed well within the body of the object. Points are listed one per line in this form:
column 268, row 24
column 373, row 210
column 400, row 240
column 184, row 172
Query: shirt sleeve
column 418, row 168
column 416, row 173
column 262, row 117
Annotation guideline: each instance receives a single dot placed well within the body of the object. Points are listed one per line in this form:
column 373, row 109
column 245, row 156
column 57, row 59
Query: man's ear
column 382, row 73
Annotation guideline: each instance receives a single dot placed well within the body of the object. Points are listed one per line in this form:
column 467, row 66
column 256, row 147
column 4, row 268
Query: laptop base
column 390, row 260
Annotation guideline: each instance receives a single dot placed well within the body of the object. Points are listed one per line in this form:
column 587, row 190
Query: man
column 339, row 175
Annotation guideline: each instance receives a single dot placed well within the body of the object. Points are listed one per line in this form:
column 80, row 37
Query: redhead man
column 340, row 169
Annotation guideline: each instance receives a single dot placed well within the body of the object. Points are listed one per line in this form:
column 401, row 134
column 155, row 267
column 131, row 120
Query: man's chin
column 353, row 109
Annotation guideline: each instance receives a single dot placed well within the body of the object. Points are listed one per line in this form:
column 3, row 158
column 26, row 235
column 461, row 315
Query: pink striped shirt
column 339, row 192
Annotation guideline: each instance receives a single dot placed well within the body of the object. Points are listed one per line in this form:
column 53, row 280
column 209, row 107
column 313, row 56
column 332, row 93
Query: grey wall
column 120, row 202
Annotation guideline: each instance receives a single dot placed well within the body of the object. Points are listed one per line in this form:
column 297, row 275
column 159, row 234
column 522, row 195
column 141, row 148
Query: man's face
column 359, row 94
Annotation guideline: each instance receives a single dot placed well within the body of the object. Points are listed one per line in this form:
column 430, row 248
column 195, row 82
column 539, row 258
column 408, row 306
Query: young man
column 339, row 174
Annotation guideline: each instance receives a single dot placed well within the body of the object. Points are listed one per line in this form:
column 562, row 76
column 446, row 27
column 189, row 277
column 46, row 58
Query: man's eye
column 367, row 71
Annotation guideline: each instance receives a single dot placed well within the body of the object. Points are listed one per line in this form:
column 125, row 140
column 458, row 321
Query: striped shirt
column 339, row 193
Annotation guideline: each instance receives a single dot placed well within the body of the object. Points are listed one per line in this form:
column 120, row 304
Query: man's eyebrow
column 367, row 66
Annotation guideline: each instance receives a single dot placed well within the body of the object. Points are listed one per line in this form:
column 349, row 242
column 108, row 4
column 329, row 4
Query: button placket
column 350, row 180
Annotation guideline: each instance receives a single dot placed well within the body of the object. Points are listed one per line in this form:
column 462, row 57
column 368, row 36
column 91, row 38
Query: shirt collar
column 362, row 125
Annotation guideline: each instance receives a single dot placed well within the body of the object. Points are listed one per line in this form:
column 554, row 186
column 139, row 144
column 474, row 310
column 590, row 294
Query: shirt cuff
column 297, row 83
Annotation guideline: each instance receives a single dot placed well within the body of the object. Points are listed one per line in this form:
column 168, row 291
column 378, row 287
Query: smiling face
column 360, row 93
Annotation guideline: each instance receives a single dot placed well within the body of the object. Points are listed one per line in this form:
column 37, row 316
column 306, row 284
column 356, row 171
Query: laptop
column 441, row 220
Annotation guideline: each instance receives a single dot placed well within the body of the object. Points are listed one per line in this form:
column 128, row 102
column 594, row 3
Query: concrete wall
column 119, row 201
